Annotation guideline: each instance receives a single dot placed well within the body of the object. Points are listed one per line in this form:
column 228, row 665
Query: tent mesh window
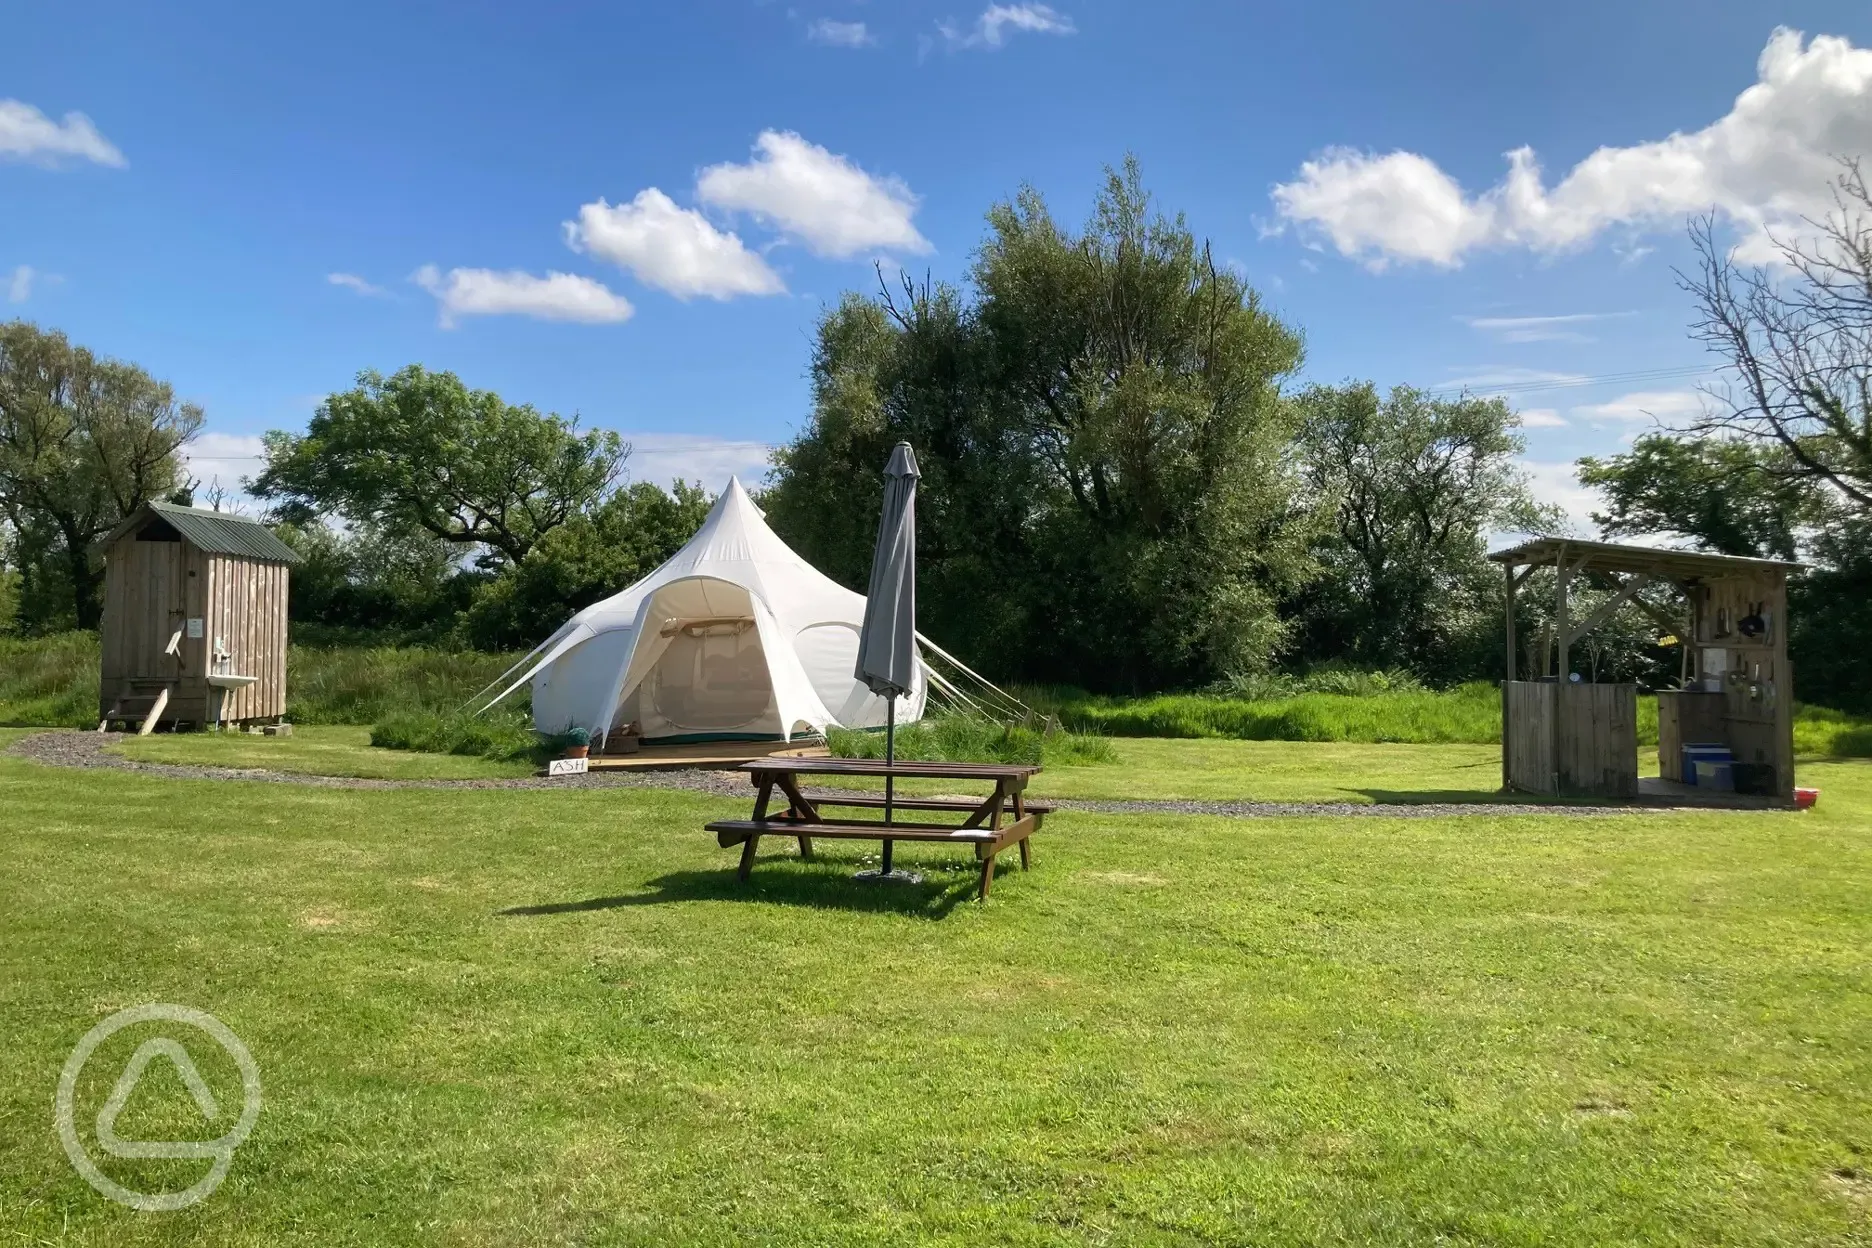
column 713, row 677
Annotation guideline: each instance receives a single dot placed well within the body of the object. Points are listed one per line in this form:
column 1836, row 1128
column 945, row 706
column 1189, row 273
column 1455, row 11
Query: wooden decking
column 723, row 754
column 1657, row 791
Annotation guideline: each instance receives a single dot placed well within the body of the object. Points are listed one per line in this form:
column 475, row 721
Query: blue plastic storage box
column 1694, row 754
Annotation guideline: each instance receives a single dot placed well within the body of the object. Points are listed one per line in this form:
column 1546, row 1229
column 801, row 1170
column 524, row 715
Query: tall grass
column 49, row 681
column 1325, row 678
column 1829, row 733
column 1470, row 713
column 504, row 734
column 362, row 685
column 968, row 739
column 53, row 681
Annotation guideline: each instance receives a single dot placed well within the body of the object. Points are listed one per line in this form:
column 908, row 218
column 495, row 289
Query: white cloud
column 840, row 34
column 1630, row 253
column 1658, row 406
column 20, row 283
column 1542, row 418
column 486, row 292
column 28, row 134
column 665, row 457
column 1540, row 328
column 825, row 201
column 1766, row 163
column 991, row 29
column 1382, row 208
column 1491, row 378
column 1557, row 483
column 351, row 281
column 672, row 248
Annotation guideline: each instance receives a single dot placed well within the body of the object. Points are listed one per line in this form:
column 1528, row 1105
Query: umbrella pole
column 890, row 760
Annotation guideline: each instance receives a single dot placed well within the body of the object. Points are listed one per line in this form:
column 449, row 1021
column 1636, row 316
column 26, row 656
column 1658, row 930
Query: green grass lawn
column 1266, row 771
column 315, row 749
column 499, row 1017
column 1276, row 771
column 1147, row 767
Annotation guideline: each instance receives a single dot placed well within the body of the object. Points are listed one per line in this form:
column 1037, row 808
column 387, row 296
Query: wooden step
column 144, row 709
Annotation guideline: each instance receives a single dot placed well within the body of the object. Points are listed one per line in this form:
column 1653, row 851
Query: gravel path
column 91, row 749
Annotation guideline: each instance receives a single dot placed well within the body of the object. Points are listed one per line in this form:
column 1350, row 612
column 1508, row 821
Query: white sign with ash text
column 567, row 767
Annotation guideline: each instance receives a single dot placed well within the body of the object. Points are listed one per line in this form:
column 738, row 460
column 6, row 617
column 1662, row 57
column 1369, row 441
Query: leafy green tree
column 591, row 556
column 1413, row 486
column 84, row 441
column 374, row 579
column 1740, row 496
column 1727, row 495
column 1108, row 494
column 420, row 451
column 9, row 579
column 1830, row 613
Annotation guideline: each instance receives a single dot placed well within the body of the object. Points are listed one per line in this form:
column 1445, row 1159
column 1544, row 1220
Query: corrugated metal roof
column 221, row 533
column 1615, row 557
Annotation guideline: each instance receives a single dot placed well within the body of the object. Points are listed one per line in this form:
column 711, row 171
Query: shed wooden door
column 157, row 607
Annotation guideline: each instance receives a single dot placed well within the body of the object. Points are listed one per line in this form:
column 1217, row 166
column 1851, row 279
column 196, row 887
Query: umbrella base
column 888, row 877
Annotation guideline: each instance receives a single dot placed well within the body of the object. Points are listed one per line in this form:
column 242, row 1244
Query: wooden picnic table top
column 878, row 767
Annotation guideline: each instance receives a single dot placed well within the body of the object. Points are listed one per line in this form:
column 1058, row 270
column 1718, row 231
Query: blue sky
column 256, row 202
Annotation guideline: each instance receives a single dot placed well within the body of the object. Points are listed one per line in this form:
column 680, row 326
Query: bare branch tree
column 1798, row 339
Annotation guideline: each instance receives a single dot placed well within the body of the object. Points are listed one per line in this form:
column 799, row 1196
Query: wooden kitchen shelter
column 194, row 627
column 1736, row 690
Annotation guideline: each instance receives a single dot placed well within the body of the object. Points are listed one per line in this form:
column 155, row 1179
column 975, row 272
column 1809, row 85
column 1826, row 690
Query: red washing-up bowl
column 1805, row 798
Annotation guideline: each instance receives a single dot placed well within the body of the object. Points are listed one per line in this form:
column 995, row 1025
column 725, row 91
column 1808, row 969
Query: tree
column 9, row 578
column 592, row 556
column 1781, row 465
column 84, row 442
column 1727, row 495
column 1108, row 496
column 419, row 450
column 1798, row 339
column 367, row 577
column 1413, row 486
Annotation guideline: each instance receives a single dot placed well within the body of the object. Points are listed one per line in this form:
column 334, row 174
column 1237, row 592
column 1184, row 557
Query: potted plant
column 577, row 742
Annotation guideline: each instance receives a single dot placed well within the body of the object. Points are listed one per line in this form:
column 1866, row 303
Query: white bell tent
column 735, row 636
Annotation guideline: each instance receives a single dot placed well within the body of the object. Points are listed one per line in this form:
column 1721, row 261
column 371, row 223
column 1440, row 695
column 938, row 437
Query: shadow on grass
column 819, row 885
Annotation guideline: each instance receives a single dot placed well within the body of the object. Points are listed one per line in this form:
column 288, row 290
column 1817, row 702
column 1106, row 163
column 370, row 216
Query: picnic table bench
column 803, row 821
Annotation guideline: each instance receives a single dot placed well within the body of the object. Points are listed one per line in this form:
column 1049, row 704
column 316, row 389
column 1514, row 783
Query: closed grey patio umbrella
column 887, row 652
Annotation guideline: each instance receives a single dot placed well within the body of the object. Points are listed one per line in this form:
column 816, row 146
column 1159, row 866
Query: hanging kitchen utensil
column 1752, row 624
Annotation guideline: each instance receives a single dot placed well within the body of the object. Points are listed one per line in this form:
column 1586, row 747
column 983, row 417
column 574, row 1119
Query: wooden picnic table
column 802, row 820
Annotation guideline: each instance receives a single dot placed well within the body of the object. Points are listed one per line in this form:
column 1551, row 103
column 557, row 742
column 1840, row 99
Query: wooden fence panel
column 1527, row 736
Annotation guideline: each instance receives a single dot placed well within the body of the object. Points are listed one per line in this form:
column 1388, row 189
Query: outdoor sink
column 227, row 680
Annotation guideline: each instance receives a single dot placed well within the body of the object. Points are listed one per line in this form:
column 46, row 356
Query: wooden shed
column 1736, row 689
column 194, row 628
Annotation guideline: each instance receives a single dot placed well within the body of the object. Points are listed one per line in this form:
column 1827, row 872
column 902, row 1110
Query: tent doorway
column 712, row 677
column 702, row 666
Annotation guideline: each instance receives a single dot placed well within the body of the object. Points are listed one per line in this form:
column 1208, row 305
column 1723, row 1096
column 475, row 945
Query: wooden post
column 1562, row 644
column 1563, row 640
column 1509, row 570
column 1507, row 737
